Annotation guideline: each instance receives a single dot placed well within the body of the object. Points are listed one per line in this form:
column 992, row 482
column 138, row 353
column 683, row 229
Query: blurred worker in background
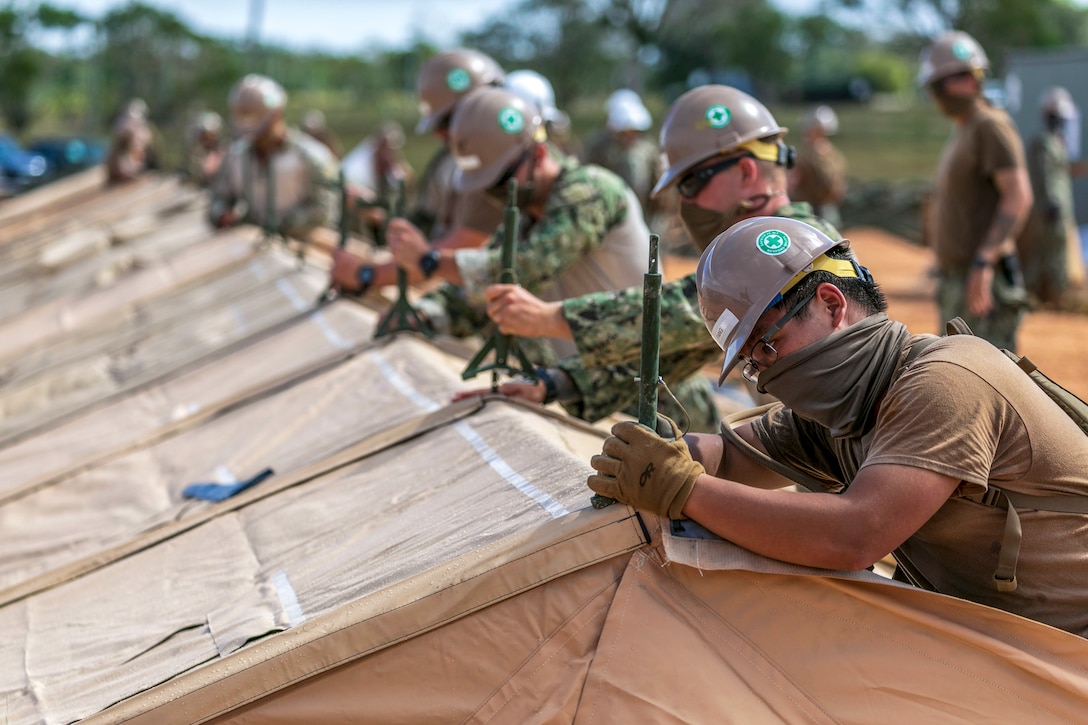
column 373, row 171
column 273, row 176
column 315, row 125
column 1044, row 245
column 819, row 175
column 204, row 148
column 982, row 196
column 622, row 147
column 132, row 144
column 449, row 218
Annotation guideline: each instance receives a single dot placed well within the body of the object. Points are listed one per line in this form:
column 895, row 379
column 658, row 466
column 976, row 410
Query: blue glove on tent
column 223, row 491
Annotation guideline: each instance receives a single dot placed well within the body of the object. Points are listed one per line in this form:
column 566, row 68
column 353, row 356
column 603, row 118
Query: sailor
column 982, row 195
column 273, row 176
column 622, row 147
column 580, row 230
column 449, row 218
column 205, row 148
column 315, row 125
column 1044, row 245
column 727, row 158
column 923, row 448
column 132, row 144
column 819, row 176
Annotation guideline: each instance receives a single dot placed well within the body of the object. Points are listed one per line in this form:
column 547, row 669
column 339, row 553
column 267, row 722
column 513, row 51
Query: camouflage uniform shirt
column 607, row 329
column 590, row 237
column 303, row 193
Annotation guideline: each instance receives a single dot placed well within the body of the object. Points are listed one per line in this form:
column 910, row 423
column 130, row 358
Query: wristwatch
column 365, row 278
column 979, row 263
column 428, row 263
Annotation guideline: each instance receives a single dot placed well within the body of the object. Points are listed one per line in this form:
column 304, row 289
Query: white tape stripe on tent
column 288, row 598
column 258, row 270
column 486, row 452
column 288, row 291
column 512, row 477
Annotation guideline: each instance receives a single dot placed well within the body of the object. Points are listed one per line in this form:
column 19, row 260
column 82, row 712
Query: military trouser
column 1010, row 301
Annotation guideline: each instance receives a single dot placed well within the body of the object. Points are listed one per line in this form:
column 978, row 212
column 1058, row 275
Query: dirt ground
column 1057, row 342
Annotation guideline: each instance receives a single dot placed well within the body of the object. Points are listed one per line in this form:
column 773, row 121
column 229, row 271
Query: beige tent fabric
column 412, row 561
column 302, row 424
column 176, row 403
column 533, row 653
column 46, row 199
column 736, row 646
column 60, row 212
column 48, row 322
column 345, row 536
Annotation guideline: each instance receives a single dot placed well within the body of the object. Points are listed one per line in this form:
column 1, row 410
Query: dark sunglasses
column 690, row 186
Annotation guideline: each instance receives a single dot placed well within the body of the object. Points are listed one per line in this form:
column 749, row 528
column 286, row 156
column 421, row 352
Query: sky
column 346, row 26
column 336, row 26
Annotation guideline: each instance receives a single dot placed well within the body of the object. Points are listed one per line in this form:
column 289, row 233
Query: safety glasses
column 690, row 186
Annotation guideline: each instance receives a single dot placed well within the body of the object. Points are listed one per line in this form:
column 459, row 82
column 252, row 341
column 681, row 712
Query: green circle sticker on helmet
column 773, row 242
column 458, row 80
column 718, row 116
column 960, row 50
column 511, row 120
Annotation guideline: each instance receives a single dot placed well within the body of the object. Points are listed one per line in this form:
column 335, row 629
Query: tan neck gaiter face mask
column 838, row 381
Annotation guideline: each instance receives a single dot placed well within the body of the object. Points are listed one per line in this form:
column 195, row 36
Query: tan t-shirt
column 819, row 176
column 450, row 208
column 965, row 410
column 966, row 198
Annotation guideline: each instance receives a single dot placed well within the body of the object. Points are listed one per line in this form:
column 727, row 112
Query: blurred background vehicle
column 69, row 154
column 21, row 169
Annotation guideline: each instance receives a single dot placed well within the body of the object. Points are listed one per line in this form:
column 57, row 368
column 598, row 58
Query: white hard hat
column 536, row 89
column 628, row 115
column 621, row 96
column 1056, row 101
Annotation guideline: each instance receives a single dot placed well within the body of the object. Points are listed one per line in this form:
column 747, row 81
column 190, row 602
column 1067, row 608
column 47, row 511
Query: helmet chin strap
column 756, row 203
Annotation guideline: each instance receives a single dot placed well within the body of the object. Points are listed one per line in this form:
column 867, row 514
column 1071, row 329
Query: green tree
column 20, row 62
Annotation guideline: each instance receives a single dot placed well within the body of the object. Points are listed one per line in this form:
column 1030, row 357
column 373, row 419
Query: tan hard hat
column 1058, row 102
column 447, row 77
column 951, row 53
column 746, row 268
column 254, row 102
column 491, row 128
column 711, row 120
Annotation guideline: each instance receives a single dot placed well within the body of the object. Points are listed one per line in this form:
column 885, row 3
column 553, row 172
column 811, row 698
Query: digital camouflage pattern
column 607, row 326
column 638, row 164
column 607, row 329
column 611, row 388
column 306, row 183
column 1043, row 245
column 583, row 205
column 1010, row 301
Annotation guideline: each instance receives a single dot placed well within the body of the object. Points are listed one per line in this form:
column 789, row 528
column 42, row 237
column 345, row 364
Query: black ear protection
column 787, row 155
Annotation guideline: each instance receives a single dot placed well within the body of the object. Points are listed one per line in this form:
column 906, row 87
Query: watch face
column 365, row 276
column 428, row 263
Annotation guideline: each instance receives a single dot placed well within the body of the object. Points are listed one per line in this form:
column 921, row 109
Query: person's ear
column 831, row 301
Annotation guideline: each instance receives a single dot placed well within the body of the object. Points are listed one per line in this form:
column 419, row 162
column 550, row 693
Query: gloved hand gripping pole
column 649, row 362
column 504, row 345
column 402, row 315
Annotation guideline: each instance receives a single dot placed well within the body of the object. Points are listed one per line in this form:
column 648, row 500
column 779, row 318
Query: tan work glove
column 644, row 470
